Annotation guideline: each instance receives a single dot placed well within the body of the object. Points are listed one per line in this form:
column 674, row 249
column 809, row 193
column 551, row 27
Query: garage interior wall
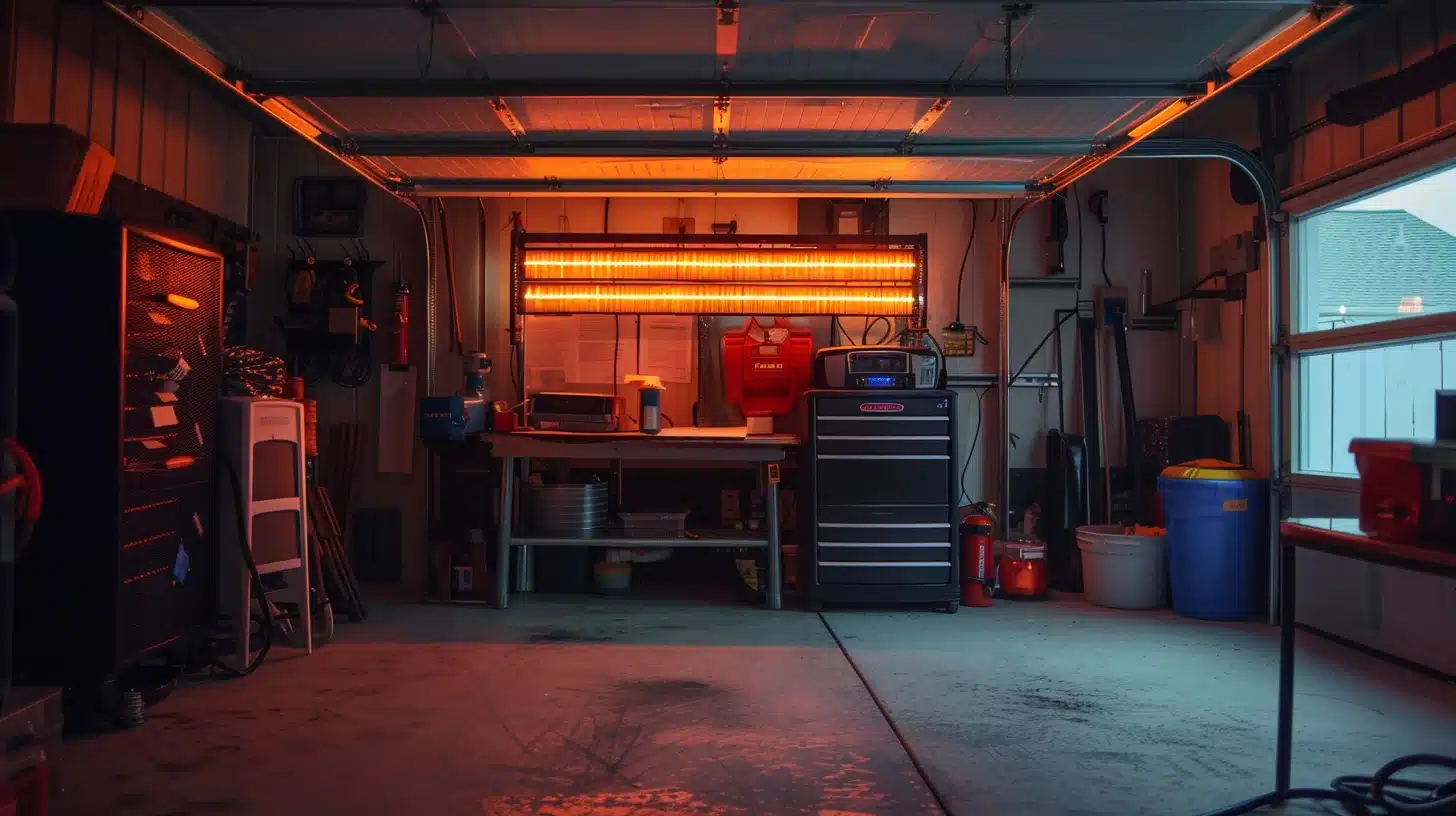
column 1142, row 234
column 391, row 231
column 82, row 66
column 1397, row 612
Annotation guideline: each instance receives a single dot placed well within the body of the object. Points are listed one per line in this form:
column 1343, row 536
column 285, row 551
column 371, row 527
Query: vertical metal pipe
column 1003, row 359
column 1284, row 741
column 503, row 533
column 430, row 342
column 773, row 594
column 1278, row 372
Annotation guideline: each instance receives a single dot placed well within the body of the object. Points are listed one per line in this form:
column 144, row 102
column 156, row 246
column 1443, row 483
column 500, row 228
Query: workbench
column 1337, row 536
column 699, row 447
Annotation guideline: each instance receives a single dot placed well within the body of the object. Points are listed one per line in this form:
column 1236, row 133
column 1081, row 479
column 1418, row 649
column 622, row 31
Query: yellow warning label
column 773, row 474
column 1235, row 505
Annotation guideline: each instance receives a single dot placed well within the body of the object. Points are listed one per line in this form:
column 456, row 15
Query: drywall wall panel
column 82, row 66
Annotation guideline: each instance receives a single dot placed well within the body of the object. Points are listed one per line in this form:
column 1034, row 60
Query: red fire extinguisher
column 978, row 558
column 399, row 330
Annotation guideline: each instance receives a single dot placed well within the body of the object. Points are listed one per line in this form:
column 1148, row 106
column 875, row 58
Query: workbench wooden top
column 1342, row 536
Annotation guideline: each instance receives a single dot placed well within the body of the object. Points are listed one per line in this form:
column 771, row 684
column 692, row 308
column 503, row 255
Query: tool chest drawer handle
column 896, row 545
column 884, row 456
column 906, row 526
column 884, row 563
column 881, row 418
column 839, row 438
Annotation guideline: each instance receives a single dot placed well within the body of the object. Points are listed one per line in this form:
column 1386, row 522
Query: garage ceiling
column 842, row 97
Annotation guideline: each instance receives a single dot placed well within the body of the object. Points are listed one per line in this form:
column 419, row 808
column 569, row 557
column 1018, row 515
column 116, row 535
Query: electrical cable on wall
column 1081, row 234
column 971, row 450
column 965, row 257
column 1097, row 204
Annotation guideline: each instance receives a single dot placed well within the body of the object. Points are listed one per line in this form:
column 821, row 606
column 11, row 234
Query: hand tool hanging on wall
column 457, row 342
column 328, row 326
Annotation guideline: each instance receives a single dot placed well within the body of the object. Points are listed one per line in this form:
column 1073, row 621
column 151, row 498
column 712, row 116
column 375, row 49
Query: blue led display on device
column 880, row 382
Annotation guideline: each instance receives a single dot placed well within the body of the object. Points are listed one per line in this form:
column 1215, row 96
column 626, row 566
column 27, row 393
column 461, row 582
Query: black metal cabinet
column 881, row 519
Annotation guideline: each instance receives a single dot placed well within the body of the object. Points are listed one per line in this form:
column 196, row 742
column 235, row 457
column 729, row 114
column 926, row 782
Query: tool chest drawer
column 880, row 551
column 881, row 425
column 871, row 445
column 885, row 572
column 883, row 478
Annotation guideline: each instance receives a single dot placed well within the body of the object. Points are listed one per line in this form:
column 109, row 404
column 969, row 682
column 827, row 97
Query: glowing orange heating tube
column 720, row 281
column 639, row 298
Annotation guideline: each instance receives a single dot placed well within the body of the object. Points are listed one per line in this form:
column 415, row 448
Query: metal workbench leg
column 774, row 592
column 1285, row 743
column 503, row 532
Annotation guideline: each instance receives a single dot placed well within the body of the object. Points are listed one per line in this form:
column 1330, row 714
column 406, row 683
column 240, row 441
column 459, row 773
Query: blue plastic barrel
column 1216, row 515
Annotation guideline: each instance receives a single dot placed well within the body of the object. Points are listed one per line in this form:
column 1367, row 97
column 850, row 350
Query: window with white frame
column 1374, row 311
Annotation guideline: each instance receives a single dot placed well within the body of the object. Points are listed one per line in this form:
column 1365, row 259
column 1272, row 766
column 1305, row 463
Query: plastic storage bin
column 1122, row 571
column 1216, row 514
column 654, row 525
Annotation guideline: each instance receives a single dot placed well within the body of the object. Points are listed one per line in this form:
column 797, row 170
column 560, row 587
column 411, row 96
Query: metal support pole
column 1285, row 741
column 503, row 532
column 1003, row 362
column 773, row 594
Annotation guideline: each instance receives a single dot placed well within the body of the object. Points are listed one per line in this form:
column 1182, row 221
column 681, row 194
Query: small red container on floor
column 25, row 789
column 1022, row 569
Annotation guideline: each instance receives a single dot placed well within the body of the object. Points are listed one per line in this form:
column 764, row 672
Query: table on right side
column 1337, row 536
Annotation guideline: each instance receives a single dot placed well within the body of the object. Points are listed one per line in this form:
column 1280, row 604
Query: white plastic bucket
column 1123, row 571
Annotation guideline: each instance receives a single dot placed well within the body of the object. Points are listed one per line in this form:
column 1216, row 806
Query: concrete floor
column 625, row 707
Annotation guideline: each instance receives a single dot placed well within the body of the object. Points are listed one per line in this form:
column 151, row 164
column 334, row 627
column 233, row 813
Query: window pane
column 1387, row 256
column 1381, row 393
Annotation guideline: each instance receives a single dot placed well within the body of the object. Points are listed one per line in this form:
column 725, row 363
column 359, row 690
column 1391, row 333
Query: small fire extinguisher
column 399, row 330
column 978, row 558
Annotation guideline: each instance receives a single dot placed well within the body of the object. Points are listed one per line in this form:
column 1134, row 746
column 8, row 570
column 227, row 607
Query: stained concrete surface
column 581, row 707
column 1065, row 708
column 625, row 706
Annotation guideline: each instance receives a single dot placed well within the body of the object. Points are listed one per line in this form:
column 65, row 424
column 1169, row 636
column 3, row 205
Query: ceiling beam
column 404, row 87
column 710, row 187
column 932, row 114
column 725, row 49
column 1267, row 51
column 353, row 5
column 670, row 149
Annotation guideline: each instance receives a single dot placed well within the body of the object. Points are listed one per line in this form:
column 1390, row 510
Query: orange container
column 1022, row 569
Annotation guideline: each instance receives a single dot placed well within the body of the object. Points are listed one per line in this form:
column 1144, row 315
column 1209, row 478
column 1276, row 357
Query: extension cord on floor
column 1380, row 793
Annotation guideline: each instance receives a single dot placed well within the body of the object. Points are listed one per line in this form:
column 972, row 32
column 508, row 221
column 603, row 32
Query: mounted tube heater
column 778, row 275
column 766, row 363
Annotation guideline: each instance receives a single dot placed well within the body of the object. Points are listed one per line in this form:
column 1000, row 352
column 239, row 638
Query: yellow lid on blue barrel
column 1211, row 470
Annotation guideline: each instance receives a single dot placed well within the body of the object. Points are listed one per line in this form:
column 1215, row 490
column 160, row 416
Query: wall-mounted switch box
column 1110, row 304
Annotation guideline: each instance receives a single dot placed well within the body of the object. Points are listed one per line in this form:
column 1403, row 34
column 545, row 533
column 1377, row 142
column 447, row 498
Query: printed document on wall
column 549, row 351
column 605, row 349
column 667, row 347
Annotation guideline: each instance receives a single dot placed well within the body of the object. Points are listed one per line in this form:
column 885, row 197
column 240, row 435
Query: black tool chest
column 882, row 516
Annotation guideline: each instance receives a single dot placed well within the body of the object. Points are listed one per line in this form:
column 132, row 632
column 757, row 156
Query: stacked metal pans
column 568, row 511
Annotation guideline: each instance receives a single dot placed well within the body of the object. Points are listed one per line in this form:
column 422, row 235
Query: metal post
column 773, row 594
column 1003, row 362
column 1285, row 740
column 503, row 532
